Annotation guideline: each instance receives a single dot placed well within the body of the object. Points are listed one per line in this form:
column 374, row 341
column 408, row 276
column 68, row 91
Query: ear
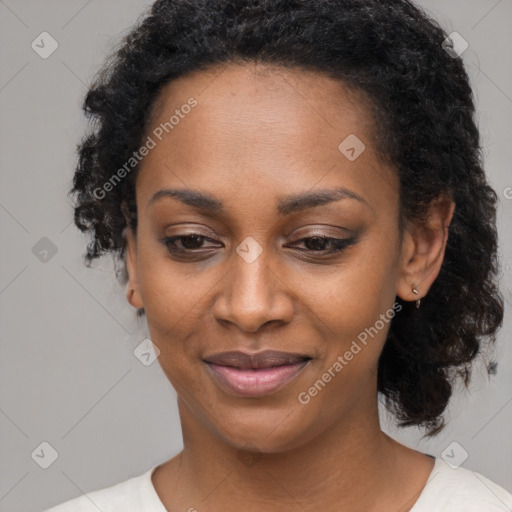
column 423, row 249
column 133, row 290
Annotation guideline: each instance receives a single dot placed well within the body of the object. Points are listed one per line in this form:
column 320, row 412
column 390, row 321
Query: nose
column 254, row 294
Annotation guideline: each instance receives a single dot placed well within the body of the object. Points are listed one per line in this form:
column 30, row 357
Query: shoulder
column 450, row 489
column 130, row 494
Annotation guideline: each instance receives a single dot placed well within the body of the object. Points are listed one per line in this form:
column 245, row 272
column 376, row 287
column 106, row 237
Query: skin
column 257, row 134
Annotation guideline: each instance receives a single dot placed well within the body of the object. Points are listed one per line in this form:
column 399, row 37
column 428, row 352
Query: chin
column 266, row 431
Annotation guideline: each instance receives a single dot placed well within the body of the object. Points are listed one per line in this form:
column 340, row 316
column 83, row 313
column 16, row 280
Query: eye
column 318, row 244
column 185, row 243
column 193, row 243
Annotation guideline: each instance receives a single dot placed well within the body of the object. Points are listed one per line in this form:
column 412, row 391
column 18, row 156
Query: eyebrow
column 285, row 204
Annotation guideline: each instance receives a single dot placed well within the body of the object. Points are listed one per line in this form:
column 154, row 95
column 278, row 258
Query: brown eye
column 185, row 243
column 192, row 241
column 193, row 244
column 317, row 243
column 322, row 243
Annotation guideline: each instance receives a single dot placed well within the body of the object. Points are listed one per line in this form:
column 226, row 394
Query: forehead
column 258, row 95
column 263, row 125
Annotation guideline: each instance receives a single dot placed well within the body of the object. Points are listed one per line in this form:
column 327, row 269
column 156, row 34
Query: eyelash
column 339, row 244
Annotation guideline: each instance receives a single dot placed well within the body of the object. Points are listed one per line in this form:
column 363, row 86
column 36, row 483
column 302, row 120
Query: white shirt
column 447, row 490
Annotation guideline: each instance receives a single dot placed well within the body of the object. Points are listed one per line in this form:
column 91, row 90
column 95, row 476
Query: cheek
column 351, row 296
column 170, row 290
column 172, row 307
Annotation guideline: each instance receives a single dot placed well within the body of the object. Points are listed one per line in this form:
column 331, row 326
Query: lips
column 255, row 374
column 265, row 359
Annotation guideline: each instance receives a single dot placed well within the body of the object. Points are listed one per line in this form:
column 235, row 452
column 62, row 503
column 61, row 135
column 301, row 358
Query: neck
column 351, row 462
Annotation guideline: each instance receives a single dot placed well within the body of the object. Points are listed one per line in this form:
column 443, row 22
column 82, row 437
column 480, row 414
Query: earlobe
column 423, row 251
column 133, row 291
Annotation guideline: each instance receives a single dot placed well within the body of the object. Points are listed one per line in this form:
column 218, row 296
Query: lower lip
column 251, row 382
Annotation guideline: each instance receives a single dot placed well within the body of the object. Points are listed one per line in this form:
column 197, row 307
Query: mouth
column 255, row 374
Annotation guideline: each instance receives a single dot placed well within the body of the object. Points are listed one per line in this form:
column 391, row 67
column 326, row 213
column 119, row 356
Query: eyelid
column 191, row 231
column 325, row 231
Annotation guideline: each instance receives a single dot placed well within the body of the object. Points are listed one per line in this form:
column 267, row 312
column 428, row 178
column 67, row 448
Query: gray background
column 68, row 373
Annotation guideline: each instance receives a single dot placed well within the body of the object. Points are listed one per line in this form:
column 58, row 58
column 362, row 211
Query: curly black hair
column 419, row 95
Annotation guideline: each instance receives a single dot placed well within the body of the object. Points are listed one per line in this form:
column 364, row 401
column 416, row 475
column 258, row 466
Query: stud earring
column 416, row 291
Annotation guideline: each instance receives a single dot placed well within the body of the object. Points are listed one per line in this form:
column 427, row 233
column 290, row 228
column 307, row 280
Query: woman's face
column 263, row 150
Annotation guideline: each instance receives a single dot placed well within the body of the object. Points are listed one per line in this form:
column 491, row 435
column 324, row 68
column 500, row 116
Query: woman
column 296, row 191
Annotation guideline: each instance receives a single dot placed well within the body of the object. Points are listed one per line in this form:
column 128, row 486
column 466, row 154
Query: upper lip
column 265, row 359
